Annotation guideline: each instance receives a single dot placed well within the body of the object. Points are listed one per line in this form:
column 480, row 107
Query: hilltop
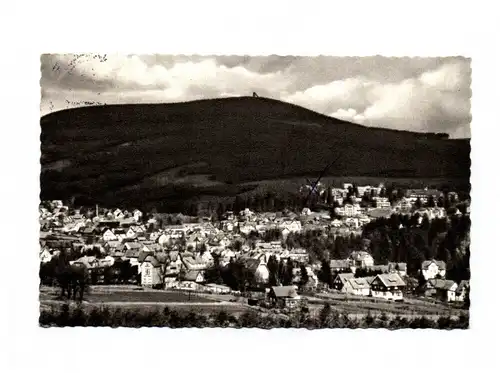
column 151, row 152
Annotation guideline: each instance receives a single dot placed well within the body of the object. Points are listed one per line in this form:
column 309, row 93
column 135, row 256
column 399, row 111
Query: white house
column 163, row 239
column 348, row 210
column 130, row 233
column 45, row 255
column 358, row 286
column 443, row 290
column 108, row 235
column 389, row 286
column 462, row 290
column 361, row 259
column 151, row 272
column 341, row 282
column 382, row 202
column 137, row 214
column 247, row 228
column 431, row 268
column 118, row 214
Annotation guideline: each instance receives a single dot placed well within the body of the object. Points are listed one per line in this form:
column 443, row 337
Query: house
column 382, row 202
column 193, row 275
column 218, row 289
column 191, row 263
column 88, row 261
column 154, row 247
column 411, row 285
column 113, row 246
column 174, row 264
column 348, row 210
column 423, row 194
column 284, row 296
column 299, row 255
column 443, row 290
column 258, row 269
column 336, row 223
column 312, row 278
column 247, row 228
column 403, row 204
column 228, row 225
column 462, row 290
column 137, row 214
column 388, row 286
column 118, row 214
column 127, row 222
column 45, row 255
column 341, row 282
column 359, row 286
column 151, row 272
column 432, row 268
column 397, row 267
column 361, row 259
column 340, row 266
column 130, row 233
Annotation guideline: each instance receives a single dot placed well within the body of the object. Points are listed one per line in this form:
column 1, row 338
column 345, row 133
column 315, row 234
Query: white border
column 390, row 28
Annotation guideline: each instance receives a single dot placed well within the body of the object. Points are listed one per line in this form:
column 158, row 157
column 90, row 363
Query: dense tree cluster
column 60, row 273
column 402, row 238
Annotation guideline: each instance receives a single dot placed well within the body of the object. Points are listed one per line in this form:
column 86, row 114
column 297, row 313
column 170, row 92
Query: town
column 358, row 242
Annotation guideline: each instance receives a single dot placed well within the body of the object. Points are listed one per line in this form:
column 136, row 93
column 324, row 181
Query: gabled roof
column 143, row 255
column 391, row 279
column 360, row 255
column 359, row 283
column 441, row 284
column 344, row 277
column 251, row 264
column 113, row 244
column 132, row 253
column 380, row 267
column 284, row 291
column 133, row 245
column 464, row 284
column 151, row 259
column 339, row 264
column 173, row 255
column 397, row 266
column 439, row 263
column 153, row 246
column 190, row 275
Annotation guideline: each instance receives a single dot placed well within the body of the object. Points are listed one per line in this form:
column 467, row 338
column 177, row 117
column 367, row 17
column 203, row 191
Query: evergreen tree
column 325, row 273
column 288, row 273
column 418, row 203
column 239, row 204
column 304, row 277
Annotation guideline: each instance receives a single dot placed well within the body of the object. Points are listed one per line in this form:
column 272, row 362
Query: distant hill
column 134, row 154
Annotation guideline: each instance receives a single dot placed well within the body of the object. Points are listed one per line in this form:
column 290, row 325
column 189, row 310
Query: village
column 253, row 254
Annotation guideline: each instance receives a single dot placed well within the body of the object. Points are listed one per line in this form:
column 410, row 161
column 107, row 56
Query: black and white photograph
column 255, row 191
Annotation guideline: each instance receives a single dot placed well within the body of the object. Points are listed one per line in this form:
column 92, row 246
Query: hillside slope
column 125, row 153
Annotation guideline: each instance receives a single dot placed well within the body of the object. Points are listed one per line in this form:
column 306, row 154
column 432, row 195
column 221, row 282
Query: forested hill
column 110, row 153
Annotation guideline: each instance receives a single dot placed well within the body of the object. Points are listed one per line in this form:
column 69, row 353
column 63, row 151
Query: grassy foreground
column 91, row 315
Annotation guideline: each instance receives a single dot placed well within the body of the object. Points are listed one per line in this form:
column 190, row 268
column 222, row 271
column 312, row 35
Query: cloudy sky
column 418, row 94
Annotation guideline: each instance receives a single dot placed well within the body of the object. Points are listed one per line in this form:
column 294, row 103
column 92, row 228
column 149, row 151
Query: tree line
column 402, row 238
column 302, row 318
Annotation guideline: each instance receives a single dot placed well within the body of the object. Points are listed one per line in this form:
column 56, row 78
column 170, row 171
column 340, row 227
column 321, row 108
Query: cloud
column 437, row 100
column 420, row 94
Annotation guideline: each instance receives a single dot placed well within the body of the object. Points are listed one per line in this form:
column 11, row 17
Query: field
column 133, row 298
column 171, row 153
column 360, row 306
